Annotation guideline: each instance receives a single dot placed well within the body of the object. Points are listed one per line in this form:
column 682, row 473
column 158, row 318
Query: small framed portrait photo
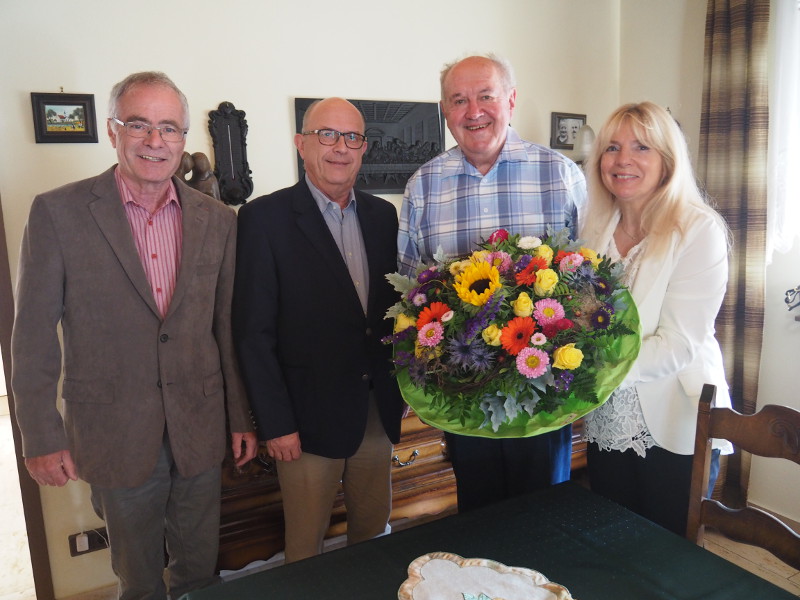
column 564, row 129
column 63, row 118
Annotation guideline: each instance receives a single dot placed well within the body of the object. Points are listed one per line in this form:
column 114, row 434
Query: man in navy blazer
column 308, row 315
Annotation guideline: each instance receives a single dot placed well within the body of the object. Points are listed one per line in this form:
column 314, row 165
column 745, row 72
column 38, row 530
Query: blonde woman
column 646, row 211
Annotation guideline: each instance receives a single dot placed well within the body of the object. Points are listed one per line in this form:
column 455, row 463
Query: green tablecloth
column 595, row 548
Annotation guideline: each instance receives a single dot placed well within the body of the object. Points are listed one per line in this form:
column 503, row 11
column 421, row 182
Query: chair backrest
column 774, row 432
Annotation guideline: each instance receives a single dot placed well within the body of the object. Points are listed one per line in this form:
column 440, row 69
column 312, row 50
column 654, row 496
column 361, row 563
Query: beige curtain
column 733, row 166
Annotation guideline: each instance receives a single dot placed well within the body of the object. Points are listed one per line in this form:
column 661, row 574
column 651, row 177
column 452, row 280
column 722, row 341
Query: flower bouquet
column 519, row 338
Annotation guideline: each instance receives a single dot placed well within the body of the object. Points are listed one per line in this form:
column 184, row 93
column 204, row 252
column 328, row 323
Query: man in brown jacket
column 138, row 269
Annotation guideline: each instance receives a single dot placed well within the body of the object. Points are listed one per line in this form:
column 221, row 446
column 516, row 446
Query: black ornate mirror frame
column 228, row 129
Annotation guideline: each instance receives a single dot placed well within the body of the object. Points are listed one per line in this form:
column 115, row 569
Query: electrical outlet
column 88, row 541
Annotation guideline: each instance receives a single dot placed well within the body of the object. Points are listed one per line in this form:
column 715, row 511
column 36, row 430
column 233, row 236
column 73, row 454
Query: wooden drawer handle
column 411, row 459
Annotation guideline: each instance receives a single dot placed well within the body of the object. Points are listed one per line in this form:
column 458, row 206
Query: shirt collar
column 127, row 196
column 513, row 150
column 324, row 203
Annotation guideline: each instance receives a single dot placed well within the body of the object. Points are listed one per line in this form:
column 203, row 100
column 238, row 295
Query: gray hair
column 504, row 69
column 145, row 78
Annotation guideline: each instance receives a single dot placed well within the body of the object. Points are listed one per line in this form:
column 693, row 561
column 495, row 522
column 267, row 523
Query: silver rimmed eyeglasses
column 141, row 129
column 329, row 137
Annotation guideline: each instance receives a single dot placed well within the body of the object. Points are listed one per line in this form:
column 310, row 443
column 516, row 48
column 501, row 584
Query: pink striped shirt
column 158, row 238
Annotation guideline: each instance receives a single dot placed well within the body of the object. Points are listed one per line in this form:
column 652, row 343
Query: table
column 595, row 548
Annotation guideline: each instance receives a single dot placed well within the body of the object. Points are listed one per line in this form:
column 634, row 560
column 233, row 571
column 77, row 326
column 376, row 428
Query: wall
column 663, row 61
column 775, row 484
column 570, row 56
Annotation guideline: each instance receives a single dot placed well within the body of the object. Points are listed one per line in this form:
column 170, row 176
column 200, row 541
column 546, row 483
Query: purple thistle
column 417, row 371
column 587, row 273
column 468, row 355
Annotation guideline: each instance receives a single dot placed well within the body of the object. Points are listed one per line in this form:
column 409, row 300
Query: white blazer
column 678, row 296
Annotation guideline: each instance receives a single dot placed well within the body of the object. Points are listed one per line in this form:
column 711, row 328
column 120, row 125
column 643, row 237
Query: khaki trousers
column 309, row 486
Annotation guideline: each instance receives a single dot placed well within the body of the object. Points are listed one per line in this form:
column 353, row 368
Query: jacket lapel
column 109, row 214
column 194, row 221
column 311, row 222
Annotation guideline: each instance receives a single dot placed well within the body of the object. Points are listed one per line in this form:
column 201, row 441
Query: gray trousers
column 169, row 508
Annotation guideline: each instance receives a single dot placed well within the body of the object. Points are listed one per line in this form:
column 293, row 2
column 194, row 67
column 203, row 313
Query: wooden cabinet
column 422, row 484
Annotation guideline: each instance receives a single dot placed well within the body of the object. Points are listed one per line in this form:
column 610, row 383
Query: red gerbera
column 434, row 312
column 560, row 255
column 516, row 334
column 528, row 275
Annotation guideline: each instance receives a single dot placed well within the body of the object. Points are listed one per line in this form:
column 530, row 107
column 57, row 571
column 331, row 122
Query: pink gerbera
column 431, row 334
column 532, row 362
column 547, row 311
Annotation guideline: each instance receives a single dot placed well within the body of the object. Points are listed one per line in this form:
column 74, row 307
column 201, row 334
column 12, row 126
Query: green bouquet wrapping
column 521, row 337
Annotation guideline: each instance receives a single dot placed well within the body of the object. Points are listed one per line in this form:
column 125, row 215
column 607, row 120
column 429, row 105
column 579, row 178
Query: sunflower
column 516, row 334
column 476, row 284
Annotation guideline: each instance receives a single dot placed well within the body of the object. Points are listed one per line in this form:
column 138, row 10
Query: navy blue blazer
column 309, row 356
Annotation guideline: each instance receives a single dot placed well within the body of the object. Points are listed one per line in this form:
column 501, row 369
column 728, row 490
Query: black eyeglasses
column 329, row 137
column 141, row 129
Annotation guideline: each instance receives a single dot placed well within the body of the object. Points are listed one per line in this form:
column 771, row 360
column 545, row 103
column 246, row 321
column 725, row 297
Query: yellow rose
column 567, row 357
column 523, row 305
column 491, row 335
column 546, row 252
column 591, row 256
column 403, row 322
column 546, row 280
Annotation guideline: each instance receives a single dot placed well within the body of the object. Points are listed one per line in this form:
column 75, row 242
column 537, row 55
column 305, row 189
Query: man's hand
column 286, row 447
column 250, row 442
column 52, row 469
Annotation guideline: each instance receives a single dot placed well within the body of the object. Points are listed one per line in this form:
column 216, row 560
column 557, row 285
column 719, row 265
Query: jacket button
column 164, row 337
column 369, row 331
column 159, row 383
column 365, row 377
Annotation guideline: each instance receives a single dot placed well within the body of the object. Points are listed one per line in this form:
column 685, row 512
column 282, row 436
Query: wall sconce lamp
column 583, row 144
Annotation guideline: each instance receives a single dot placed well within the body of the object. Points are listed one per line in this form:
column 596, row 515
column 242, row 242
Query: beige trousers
column 309, row 486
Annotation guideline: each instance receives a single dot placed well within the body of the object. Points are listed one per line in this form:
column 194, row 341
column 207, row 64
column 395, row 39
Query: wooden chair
column 774, row 432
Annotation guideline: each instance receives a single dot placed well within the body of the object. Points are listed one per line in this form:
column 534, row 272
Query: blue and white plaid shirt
column 448, row 202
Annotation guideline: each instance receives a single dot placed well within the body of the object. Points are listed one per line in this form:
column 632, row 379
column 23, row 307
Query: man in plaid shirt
column 493, row 179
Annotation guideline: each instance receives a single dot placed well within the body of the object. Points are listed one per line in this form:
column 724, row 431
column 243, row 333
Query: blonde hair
column 670, row 208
